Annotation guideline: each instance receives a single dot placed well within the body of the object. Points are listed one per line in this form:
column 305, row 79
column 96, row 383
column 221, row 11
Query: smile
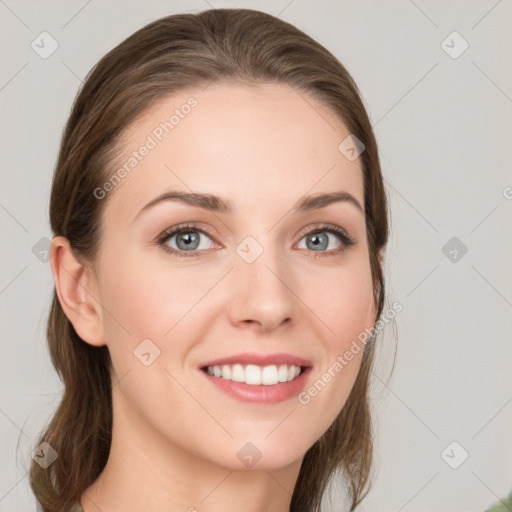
column 255, row 375
column 258, row 378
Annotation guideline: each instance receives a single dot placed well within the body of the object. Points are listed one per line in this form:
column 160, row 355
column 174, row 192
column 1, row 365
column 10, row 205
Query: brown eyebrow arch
column 322, row 200
column 217, row 204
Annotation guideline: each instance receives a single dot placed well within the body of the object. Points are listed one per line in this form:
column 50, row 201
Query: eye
column 187, row 240
column 318, row 239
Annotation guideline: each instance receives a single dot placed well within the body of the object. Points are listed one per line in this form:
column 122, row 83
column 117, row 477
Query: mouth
column 255, row 375
column 259, row 378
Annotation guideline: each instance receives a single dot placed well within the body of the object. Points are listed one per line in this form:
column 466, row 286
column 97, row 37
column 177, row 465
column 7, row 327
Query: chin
column 264, row 453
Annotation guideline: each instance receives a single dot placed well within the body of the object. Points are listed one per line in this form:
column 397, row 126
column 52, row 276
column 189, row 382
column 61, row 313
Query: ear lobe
column 77, row 291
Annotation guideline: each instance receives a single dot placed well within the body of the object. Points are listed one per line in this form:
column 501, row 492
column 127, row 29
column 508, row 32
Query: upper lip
column 259, row 360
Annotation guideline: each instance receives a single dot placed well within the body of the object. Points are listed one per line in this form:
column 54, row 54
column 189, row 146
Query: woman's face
column 246, row 283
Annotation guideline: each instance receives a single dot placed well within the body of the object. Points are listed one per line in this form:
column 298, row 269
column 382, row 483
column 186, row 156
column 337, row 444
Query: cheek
column 344, row 310
column 343, row 301
column 144, row 300
column 149, row 302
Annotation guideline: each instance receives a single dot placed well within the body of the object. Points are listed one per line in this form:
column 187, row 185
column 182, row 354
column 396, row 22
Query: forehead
column 249, row 143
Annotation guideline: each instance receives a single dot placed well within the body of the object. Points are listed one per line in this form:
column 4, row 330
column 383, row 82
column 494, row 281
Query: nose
column 263, row 298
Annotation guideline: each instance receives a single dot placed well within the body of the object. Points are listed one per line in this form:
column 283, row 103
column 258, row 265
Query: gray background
column 443, row 125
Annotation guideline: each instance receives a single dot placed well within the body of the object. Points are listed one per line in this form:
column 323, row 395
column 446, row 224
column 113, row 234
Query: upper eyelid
column 170, row 232
column 326, row 226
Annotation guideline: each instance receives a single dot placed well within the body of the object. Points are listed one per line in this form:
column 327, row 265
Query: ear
column 77, row 291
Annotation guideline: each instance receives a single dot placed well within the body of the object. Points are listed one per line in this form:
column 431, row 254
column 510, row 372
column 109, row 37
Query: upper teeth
column 255, row 375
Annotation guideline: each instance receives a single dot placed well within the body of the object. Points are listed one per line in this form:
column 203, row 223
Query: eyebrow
column 219, row 205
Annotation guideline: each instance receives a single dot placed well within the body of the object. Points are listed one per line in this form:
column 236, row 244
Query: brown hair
column 168, row 55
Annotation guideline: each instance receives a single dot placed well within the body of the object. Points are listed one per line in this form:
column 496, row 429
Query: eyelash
column 321, row 228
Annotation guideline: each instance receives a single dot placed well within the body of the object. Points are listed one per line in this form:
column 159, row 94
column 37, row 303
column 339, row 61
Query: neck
column 147, row 472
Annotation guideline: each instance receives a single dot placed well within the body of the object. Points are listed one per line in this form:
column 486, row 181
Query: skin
column 176, row 436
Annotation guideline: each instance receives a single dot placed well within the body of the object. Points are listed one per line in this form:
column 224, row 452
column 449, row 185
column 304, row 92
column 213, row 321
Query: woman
column 219, row 218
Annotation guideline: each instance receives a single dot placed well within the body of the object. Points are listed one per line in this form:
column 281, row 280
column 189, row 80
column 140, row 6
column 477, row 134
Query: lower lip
column 262, row 393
